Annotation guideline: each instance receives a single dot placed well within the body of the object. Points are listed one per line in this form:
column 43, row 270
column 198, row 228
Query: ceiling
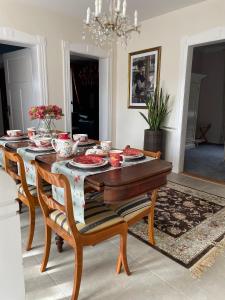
column 146, row 8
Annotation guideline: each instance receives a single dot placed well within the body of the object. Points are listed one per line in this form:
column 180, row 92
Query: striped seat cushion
column 127, row 209
column 32, row 189
column 131, row 208
column 97, row 216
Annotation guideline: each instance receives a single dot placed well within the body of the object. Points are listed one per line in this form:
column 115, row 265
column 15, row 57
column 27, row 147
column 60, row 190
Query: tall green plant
column 157, row 105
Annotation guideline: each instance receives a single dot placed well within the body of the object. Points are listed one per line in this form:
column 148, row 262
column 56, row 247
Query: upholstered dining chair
column 27, row 194
column 137, row 208
column 101, row 224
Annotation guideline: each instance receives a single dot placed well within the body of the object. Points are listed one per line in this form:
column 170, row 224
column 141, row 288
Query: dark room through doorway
column 85, row 95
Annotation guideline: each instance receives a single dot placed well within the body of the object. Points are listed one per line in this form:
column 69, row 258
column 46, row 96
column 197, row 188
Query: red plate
column 131, row 152
column 88, row 159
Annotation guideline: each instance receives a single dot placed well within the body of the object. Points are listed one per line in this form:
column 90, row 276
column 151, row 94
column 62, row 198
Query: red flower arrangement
column 45, row 112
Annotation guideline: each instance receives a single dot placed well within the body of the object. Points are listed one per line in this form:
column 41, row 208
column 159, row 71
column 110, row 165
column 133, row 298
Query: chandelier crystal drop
column 106, row 29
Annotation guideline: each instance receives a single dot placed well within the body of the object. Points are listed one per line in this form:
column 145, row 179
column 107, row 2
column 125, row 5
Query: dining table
column 117, row 184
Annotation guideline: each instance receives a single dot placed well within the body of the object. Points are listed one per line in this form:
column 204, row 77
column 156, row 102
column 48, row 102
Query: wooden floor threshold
column 221, row 182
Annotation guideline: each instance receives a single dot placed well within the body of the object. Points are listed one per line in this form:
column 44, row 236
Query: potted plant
column 157, row 106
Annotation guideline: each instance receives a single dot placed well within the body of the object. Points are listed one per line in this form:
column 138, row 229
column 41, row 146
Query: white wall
column 166, row 31
column 55, row 28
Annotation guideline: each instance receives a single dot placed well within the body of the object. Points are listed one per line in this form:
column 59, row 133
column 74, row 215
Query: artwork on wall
column 144, row 74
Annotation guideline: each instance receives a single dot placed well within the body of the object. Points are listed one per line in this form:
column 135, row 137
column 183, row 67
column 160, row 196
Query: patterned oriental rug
column 189, row 227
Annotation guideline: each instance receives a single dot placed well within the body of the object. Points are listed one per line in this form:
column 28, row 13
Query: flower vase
column 45, row 127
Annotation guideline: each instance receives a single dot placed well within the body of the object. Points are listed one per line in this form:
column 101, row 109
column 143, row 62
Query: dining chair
column 100, row 224
column 137, row 208
column 27, row 194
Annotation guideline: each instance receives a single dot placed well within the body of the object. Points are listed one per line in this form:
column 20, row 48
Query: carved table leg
column 59, row 243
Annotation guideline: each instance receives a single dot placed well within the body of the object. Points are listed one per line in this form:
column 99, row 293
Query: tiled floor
column 154, row 276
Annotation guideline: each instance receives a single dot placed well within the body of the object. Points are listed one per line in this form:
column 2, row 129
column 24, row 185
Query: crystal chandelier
column 109, row 28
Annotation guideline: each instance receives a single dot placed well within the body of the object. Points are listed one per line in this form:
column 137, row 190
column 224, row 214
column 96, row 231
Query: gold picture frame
column 144, row 75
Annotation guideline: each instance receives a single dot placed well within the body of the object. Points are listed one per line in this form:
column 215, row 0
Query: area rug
column 189, row 226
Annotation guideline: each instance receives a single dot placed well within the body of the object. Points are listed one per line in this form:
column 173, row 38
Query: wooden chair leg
column 59, row 243
column 20, row 205
column 77, row 272
column 31, row 227
column 123, row 253
column 48, row 236
column 151, row 237
column 119, row 264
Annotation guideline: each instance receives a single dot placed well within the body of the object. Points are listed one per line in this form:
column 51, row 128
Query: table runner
column 76, row 178
column 30, row 169
column 3, row 143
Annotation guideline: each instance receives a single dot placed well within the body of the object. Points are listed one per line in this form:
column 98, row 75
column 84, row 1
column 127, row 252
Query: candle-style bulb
column 96, row 8
column 99, row 7
column 118, row 6
column 88, row 15
column 124, row 8
column 135, row 18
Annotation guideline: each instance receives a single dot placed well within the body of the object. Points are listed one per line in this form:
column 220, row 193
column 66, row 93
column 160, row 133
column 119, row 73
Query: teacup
column 14, row 133
column 63, row 136
column 31, row 132
column 116, row 158
column 81, row 137
column 42, row 141
column 106, row 145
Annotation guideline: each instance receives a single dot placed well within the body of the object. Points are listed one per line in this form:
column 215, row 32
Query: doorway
column 204, row 145
column 104, row 59
column 85, row 95
column 12, row 43
column 5, row 107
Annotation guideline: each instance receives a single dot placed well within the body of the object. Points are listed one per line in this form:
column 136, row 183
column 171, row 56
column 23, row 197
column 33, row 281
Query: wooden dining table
column 118, row 184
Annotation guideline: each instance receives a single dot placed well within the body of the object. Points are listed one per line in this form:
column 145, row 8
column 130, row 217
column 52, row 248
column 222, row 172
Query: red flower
column 44, row 112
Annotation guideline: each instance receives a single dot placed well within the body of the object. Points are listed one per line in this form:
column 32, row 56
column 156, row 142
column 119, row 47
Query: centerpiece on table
column 157, row 106
column 46, row 114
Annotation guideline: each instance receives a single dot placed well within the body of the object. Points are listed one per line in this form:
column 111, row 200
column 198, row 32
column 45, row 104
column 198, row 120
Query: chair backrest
column 13, row 165
column 156, row 155
column 47, row 202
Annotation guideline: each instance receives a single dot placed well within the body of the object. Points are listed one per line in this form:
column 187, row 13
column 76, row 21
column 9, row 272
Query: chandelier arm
column 101, row 25
column 116, row 21
column 133, row 28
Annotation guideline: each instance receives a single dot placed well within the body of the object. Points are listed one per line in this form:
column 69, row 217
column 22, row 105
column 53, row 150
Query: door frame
column 37, row 44
column 105, row 84
column 187, row 45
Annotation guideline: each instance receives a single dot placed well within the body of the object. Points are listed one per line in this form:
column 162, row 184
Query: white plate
column 14, row 138
column 40, row 149
column 97, row 152
column 83, row 144
column 127, row 157
column 86, row 166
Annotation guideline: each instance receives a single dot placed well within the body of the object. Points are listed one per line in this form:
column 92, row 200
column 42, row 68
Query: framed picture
column 144, row 74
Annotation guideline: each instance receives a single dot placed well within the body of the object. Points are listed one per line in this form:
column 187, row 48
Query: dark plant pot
column 153, row 140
